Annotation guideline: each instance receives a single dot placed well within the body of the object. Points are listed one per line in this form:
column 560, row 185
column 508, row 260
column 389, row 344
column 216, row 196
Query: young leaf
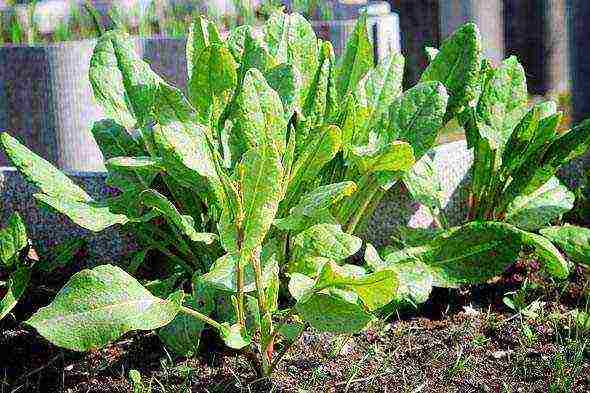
column 114, row 140
column 235, row 336
column 503, row 101
column 13, row 238
column 320, row 102
column 285, row 80
column 357, row 59
column 395, row 156
column 322, row 198
column 457, row 66
column 423, row 184
column 97, row 306
column 223, row 274
column 573, row 240
column 534, row 211
column 325, row 241
column 414, row 281
column 299, row 285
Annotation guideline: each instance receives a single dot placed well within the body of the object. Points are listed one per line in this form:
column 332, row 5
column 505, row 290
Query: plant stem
column 240, row 295
column 265, row 317
column 201, row 317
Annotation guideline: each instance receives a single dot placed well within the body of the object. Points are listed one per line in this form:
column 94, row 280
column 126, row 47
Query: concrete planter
column 46, row 99
column 453, row 161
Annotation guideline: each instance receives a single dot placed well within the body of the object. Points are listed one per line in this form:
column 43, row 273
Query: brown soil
column 461, row 341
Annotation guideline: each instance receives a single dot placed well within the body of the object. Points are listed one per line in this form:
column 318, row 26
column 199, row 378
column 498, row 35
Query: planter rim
column 61, row 44
column 318, row 22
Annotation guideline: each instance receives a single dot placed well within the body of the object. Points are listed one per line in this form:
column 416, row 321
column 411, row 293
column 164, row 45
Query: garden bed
column 464, row 341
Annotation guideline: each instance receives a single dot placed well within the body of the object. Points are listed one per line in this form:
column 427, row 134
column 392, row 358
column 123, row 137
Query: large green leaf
column 396, row 156
column 123, row 84
column 254, row 53
column 322, row 198
column 375, row 290
column 257, row 116
column 320, row 102
column 292, row 40
column 94, row 216
column 573, row 240
column 41, row 173
column 535, row 210
column 261, row 175
column 17, row 284
column 457, row 66
column 417, row 116
column 285, row 80
column 97, row 306
column 330, row 313
column 414, row 279
column 213, row 80
column 470, row 254
column 133, row 173
column 357, row 59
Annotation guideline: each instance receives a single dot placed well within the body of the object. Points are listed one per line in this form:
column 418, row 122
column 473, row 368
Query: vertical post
column 557, row 47
column 580, row 55
column 488, row 15
column 419, row 26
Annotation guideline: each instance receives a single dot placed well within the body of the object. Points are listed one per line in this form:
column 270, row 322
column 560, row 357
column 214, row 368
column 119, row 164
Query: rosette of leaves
column 514, row 190
column 258, row 176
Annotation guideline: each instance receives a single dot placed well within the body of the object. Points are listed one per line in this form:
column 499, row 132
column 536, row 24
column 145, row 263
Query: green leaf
column 299, row 285
column 212, row 81
column 97, row 306
column 357, row 59
column 414, row 281
column 13, row 238
column 329, row 313
column 535, row 210
column 574, row 241
column 320, row 102
column 123, row 84
column 161, row 204
column 457, row 65
column 285, row 80
column 40, row 172
column 292, row 40
column 254, row 54
column 381, row 86
column 202, row 33
column 503, row 101
column 323, row 198
column 235, row 336
column 417, row 116
column 222, row 274
column 114, row 140
column 61, row 255
column 261, row 176
column 423, row 184
column 374, row 290
column 395, row 156
column 93, row 216
column 551, row 259
column 469, row 254
column 326, row 241
column 133, row 173
column 17, row 284
column 257, row 116
column 321, row 148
